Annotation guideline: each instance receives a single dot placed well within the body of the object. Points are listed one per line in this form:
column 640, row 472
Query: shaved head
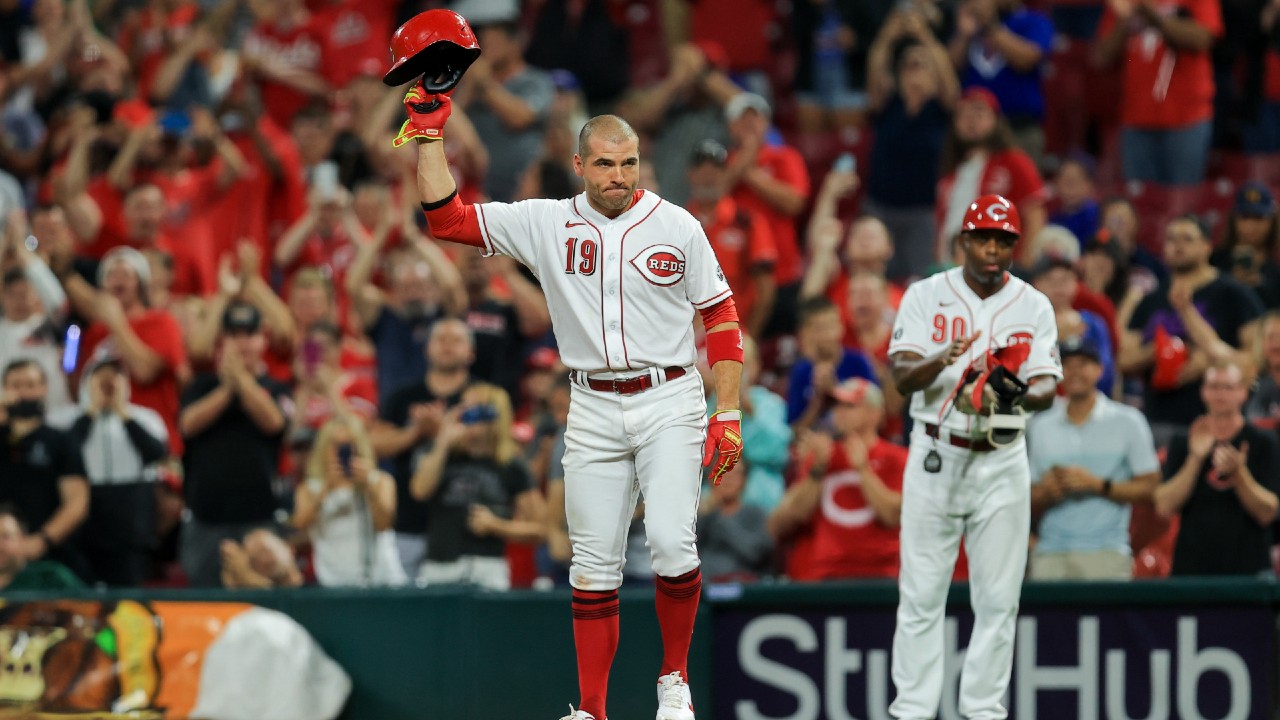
column 609, row 128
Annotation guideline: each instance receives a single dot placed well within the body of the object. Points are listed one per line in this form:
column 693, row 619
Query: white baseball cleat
column 674, row 702
column 578, row 715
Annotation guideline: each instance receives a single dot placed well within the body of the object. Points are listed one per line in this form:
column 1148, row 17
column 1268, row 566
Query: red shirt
column 259, row 206
column 1010, row 173
column 1100, row 305
column 190, row 196
column 1272, row 88
column 356, row 31
column 160, row 332
column 304, row 47
column 361, row 396
column 1164, row 87
column 786, row 165
column 845, row 540
column 149, row 40
column 110, row 203
column 741, row 27
column 743, row 244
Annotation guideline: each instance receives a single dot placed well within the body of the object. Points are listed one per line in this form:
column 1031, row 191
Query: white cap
column 743, row 102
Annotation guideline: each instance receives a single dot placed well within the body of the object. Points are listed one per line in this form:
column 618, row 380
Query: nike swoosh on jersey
column 572, row 224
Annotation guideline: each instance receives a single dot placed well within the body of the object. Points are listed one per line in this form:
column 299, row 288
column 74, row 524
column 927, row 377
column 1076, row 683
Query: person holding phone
column 347, row 506
column 480, row 494
column 1249, row 244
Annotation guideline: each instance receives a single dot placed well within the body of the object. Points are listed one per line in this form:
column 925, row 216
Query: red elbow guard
column 450, row 220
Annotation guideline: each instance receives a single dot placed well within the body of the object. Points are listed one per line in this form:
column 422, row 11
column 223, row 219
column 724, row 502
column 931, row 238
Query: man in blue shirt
column 1002, row 46
column 824, row 362
column 1091, row 458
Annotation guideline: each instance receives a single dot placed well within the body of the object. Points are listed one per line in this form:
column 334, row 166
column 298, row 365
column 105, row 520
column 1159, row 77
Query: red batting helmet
column 992, row 212
column 437, row 44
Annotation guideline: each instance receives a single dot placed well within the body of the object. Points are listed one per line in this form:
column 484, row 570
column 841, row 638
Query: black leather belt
column 627, row 386
column 976, row 445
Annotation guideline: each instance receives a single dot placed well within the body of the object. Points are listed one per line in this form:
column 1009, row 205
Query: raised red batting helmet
column 437, row 44
column 992, row 212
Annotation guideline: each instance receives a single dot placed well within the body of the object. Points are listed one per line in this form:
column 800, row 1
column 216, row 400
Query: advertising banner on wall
column 1108, row 663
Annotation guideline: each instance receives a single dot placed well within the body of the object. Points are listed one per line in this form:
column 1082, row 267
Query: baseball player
column 623, row 272
column 977, row 348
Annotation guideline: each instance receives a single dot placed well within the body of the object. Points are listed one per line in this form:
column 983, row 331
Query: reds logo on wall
column 661, row 265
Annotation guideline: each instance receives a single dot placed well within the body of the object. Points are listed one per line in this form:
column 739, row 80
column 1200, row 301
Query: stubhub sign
column 1216, row 663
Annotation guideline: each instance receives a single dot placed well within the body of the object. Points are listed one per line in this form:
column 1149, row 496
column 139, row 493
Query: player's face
column 1223, row 390
column 987, row 255
column 610, row 173
column 1185, row 248
column 1079, row 376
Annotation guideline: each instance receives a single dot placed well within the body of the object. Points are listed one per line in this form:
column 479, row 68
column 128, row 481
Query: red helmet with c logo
column 437, row 44
column 992, row 212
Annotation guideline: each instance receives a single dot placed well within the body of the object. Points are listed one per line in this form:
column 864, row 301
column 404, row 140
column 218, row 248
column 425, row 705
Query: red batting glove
column 724, row 438
column 427, row 116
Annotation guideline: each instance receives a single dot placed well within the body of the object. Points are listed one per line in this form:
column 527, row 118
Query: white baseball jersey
column 621, row 292
column 942, row 308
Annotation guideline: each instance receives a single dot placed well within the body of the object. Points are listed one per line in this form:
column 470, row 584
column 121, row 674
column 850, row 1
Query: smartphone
column 71, row 349
column 477, row 414
column 325, row 179
column 344, row 457
column 846, row 163
column 311, row 355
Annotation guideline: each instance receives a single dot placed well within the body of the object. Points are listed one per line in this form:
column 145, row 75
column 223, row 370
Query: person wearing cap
column 843, row 510
column 1199, row 318
column 771, row 179
column 234, row 422
column 1002, row 46
column 1163, row 49
column 147, row 340
column 1220, row 480
column 1251, row 242
column 979, row 157
column 1091, row 459
column 120, row 443
column 741, row 239
column 1058, row 279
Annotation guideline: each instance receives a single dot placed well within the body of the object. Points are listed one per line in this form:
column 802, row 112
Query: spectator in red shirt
column 325, row 237
column 147, row 341
column 1167, row 104
column 843, row 510
column 979, row 158
column 288, row 53
column 771, row 179
column 740, row 238
column 356, row 31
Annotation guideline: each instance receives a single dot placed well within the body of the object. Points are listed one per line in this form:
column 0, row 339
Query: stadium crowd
column 233, row 354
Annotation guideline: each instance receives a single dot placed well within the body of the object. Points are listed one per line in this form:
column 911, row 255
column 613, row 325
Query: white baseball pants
column 986, row 499
column 618, row 447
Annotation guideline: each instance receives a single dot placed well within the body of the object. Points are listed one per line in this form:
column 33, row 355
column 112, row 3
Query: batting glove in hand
column 427, row 116
column 724, row 443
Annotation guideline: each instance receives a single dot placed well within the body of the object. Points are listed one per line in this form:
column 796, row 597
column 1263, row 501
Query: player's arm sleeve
column 911, row 328
column 1043, row 358
column 704, row 282
column 495, row 228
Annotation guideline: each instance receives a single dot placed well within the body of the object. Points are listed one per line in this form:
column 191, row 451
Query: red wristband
column 724, row 345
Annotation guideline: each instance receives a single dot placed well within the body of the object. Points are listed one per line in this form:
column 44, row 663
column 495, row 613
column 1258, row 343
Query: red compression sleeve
column 450, row 220
column 722, row 312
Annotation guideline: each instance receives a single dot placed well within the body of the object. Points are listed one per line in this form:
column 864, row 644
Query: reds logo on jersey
column 662, row 265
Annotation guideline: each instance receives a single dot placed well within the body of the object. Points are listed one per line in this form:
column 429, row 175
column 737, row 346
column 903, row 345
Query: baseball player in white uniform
column 623, row 272
column 967, row 472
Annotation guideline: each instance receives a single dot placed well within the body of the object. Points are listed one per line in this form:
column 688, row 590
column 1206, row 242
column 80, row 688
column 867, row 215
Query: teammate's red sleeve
column 722, row 312
column 450, row 220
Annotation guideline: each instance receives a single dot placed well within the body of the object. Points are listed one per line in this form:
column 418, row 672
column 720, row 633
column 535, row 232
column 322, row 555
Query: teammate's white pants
column 618, row 446
column 984, row 497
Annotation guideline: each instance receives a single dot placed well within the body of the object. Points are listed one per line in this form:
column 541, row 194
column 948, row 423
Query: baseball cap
column 129, row 256
column 743, row 102
column 709, row 151
column 241, row 317
column 1080, row 346
column 1254, row 199
column 982, row 95
column 856, row 391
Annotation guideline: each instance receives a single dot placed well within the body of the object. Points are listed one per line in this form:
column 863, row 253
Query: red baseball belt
column 974, row 444
column 626, row 386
